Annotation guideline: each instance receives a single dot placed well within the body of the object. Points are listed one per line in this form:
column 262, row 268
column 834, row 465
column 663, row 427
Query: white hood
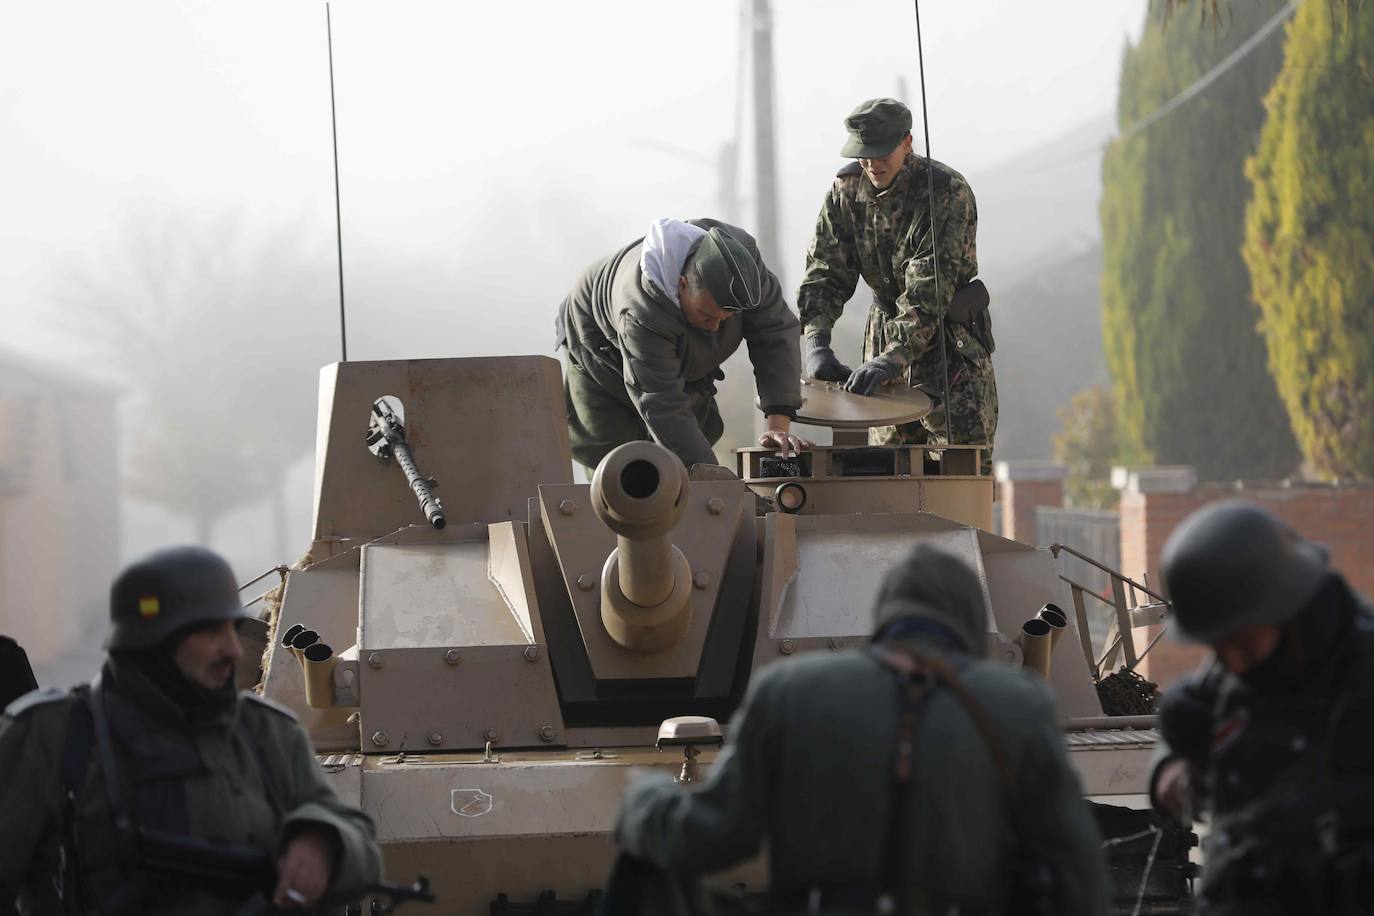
column 665, row 249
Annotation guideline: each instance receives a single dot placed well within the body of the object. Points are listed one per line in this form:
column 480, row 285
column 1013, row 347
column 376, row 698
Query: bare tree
column 214, row 325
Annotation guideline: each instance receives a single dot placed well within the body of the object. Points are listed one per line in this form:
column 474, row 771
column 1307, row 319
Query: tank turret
column 484, row 689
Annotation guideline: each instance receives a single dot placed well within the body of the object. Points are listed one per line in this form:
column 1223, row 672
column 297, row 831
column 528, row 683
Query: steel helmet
column 167, row 590
column 1234, row 564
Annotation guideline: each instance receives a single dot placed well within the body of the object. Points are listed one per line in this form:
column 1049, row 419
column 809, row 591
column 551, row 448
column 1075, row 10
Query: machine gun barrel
column 429, row 503
column 386, row 438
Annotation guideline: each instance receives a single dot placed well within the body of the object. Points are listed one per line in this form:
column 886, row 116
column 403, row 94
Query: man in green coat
column 647, row 329
column 1271, row 739
column 876, row 224
column 162, row 748
column 811, row 767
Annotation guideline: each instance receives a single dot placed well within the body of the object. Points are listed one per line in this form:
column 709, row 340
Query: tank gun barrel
column 640, row 492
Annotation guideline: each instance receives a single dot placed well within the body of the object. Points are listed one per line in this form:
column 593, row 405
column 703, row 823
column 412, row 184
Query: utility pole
column 765, row 171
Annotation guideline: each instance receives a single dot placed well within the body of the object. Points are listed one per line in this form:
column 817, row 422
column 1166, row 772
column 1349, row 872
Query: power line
column 1212, row 75
column 1189, row 93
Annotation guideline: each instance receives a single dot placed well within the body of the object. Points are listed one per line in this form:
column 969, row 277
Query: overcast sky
column 488, row 152
column 475, row 137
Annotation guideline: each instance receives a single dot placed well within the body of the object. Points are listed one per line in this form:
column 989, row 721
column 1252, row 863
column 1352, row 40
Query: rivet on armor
column 491, row 734
column 567, row 507
column 375, row 659
column 702, row 580
column 453, row 657
column 787, row 647
column 436, row 738
column 531, row 653
column 546, row 733
column 586, row 582
column 715, row 505
column 380, row 739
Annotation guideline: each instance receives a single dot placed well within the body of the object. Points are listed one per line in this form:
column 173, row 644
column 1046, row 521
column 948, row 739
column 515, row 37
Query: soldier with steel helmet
column 1272, row 737
column 104, row 788
column 647, row 329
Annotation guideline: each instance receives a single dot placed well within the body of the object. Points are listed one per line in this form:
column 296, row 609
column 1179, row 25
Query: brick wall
column 1342, row 518
column 1022, row 487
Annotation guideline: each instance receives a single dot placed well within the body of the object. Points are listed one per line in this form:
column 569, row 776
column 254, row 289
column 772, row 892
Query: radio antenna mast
column 934, row 238
column 338, row 215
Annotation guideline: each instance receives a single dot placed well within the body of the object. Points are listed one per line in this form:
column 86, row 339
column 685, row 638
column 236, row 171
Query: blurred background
column 169, row 285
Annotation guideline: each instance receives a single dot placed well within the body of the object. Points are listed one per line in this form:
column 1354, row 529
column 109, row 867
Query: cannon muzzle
column 640, row 491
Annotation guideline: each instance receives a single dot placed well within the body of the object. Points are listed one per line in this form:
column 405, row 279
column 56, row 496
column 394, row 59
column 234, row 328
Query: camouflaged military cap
column 875, row 128
column 728, row 271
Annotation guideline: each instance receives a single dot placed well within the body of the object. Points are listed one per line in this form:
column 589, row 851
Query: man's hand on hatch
column 868, row 377
column 779, row 436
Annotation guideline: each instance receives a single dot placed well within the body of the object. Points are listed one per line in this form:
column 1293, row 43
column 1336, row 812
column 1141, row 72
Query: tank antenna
column 934, row 239
column 338, row 215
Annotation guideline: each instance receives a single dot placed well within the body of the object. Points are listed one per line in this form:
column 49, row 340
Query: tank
column 484, row 690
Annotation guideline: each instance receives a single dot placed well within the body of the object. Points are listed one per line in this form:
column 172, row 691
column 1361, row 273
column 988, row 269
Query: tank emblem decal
column 470, row 802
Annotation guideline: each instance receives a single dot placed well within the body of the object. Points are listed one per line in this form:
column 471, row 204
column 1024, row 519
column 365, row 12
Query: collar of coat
column 910, row 166
column 133, row 685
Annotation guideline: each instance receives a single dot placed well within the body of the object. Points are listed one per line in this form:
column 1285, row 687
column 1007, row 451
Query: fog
column 167, row 202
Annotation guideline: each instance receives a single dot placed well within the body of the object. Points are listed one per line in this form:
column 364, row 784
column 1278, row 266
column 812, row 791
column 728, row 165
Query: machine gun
column 240, row 869
column 386, row 438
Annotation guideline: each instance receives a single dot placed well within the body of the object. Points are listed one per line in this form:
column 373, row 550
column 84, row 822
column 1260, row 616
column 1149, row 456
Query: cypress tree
column 1187, row 362
column 1310, row 236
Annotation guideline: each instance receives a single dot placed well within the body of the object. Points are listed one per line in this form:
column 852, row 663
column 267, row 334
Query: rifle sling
column 910, row 662
column 76, row 754
column 144, row 851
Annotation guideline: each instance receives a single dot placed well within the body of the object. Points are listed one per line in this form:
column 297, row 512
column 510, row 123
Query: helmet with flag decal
column 168, row 590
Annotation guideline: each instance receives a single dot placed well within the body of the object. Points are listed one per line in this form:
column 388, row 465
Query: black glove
column 870, row 375
column 820, row 359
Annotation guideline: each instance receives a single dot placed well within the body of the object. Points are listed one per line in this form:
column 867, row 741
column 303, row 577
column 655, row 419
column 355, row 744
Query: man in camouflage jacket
column 876, row 224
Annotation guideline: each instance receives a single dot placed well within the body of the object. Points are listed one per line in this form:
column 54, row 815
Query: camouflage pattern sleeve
column 832, row 266
column 916, row 324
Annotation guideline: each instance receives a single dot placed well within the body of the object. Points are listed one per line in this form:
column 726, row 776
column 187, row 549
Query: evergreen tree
column 1310, row 236
column 1187, row 363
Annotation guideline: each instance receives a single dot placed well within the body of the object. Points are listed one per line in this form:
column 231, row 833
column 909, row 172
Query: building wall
column 59, row 531
column 1342, row 518
column 1154, row 501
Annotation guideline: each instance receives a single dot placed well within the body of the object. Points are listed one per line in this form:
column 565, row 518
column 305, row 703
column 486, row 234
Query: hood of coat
column 665, row 251
column 933, row 584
